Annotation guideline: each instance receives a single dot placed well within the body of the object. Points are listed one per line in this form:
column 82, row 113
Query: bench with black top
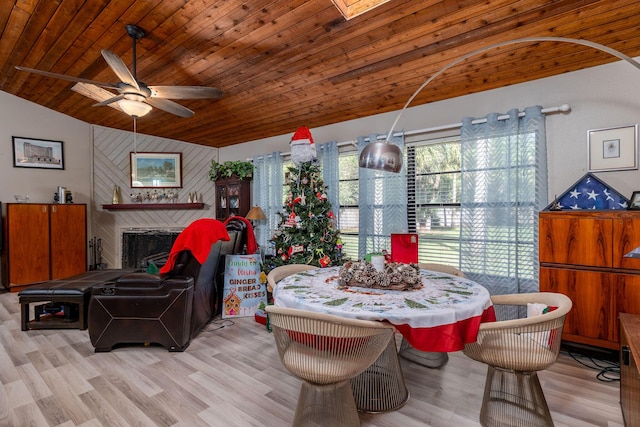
column 63, row 302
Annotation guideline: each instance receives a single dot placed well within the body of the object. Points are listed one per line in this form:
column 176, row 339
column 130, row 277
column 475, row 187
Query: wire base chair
column 515, row 349
column 381, row 387
column 326, row 352
column 514, row 396
column 326, row 405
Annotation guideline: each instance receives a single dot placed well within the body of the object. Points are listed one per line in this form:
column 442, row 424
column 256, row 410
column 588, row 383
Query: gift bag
column 404, row 247
column 243, row 293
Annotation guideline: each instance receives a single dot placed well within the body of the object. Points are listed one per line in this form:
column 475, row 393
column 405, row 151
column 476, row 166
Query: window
column 349, row 220
column 486, row 227
column 433, row 189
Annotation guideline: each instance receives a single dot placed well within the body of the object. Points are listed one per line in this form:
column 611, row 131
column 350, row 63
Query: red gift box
column 261, row 317
column 404, row 247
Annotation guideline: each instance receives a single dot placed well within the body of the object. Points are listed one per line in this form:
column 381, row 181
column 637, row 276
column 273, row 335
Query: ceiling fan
column 133, row 97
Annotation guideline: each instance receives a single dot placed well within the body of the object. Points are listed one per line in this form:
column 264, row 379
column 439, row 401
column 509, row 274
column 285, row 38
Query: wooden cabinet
column 232, row 197
column 629, row 369
column 43, row 242
column 582, row 256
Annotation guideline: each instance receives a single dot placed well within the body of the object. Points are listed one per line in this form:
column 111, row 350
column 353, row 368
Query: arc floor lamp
column 385, row 156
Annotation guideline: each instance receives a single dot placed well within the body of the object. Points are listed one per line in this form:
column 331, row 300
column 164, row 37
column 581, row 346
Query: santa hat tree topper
column 302, row 147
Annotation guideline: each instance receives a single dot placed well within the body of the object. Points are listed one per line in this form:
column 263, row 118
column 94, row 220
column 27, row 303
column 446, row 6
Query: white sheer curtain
column 330, row 165
column 267, row 193
column 383, row 204
column 504, row 186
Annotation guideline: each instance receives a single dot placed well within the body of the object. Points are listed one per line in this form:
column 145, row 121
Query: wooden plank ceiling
column 282, row 64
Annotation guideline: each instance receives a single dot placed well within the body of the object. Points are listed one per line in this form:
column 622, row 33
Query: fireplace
column 138, row 243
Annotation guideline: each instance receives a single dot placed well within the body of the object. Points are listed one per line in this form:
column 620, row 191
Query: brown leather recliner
column 167, row 309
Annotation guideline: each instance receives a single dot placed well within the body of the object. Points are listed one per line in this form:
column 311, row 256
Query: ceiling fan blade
column 65, row 77
column 96, row 93
column 184, row 92
column 108, row 101
column 119, row 68
column 170, row 107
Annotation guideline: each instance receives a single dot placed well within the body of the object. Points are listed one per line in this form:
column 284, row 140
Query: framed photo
column 37, row 153
column 156, row 170
column 613, row 149
column 634, row 202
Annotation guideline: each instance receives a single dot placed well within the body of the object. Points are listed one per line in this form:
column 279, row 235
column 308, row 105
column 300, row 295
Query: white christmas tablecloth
column 443, row 315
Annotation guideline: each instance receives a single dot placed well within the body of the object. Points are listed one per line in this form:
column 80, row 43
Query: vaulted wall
column 111, row 167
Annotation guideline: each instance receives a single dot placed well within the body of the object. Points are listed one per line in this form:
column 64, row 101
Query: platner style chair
column 326, row 352
column 428, row 358
column 283, row 271
column 515, row 350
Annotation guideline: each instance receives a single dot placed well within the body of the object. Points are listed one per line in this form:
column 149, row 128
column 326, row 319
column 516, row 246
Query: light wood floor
column 232, row 376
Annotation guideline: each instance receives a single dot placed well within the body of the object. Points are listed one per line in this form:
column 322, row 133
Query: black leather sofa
column 167, row 309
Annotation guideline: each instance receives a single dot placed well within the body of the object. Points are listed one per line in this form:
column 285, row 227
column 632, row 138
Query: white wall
column 26, row 119
column 600, row 97
column 111, row 159
column 23, row 118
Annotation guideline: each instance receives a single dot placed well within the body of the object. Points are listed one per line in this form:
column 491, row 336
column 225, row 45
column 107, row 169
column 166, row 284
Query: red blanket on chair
column 197, row 238
column 252, row 245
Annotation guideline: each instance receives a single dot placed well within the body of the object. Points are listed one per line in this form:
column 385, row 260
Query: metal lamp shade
column 388, row 157
column 381, row 156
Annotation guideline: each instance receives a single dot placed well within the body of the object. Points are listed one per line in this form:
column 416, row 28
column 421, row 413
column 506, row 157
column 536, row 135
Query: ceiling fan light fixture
column 134, row 97
column 134, row 108
column 132, row 94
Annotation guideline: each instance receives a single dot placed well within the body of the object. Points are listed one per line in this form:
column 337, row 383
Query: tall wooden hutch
column 582, row 255
column 233, row 197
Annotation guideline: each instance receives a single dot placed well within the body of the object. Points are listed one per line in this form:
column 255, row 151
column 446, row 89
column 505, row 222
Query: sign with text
column 243, row 291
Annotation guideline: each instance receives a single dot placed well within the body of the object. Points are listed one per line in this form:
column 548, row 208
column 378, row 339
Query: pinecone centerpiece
column 395, row 276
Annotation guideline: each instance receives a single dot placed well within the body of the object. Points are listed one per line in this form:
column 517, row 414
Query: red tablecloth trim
column 446, row 338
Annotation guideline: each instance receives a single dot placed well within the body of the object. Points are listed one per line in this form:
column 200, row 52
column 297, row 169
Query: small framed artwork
column 634, row 202
column 37, row 153
column 613, row 149
column 156, row 170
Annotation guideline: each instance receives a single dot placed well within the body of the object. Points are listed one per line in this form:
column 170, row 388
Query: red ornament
column 324, row 261
column 295, row 249
column 291, row 220
column 294, row 201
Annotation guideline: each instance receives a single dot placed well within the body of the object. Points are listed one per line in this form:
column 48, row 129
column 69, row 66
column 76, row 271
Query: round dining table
column 442, row 315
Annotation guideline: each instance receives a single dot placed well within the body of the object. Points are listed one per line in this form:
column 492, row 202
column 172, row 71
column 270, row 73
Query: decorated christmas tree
column 307, row 232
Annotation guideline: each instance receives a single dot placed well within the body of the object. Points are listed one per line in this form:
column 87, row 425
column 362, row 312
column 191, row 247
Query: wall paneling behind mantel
column 111, row 150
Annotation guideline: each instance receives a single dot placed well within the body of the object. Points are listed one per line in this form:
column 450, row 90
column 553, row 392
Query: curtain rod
column 564, row 108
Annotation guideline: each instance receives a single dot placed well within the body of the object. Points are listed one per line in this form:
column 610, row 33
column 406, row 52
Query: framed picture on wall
column 613, row 149
column 37, row 153
column 634, row 203
column 156, row 170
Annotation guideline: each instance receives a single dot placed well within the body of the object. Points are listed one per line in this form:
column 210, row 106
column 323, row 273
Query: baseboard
column 590, row 351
